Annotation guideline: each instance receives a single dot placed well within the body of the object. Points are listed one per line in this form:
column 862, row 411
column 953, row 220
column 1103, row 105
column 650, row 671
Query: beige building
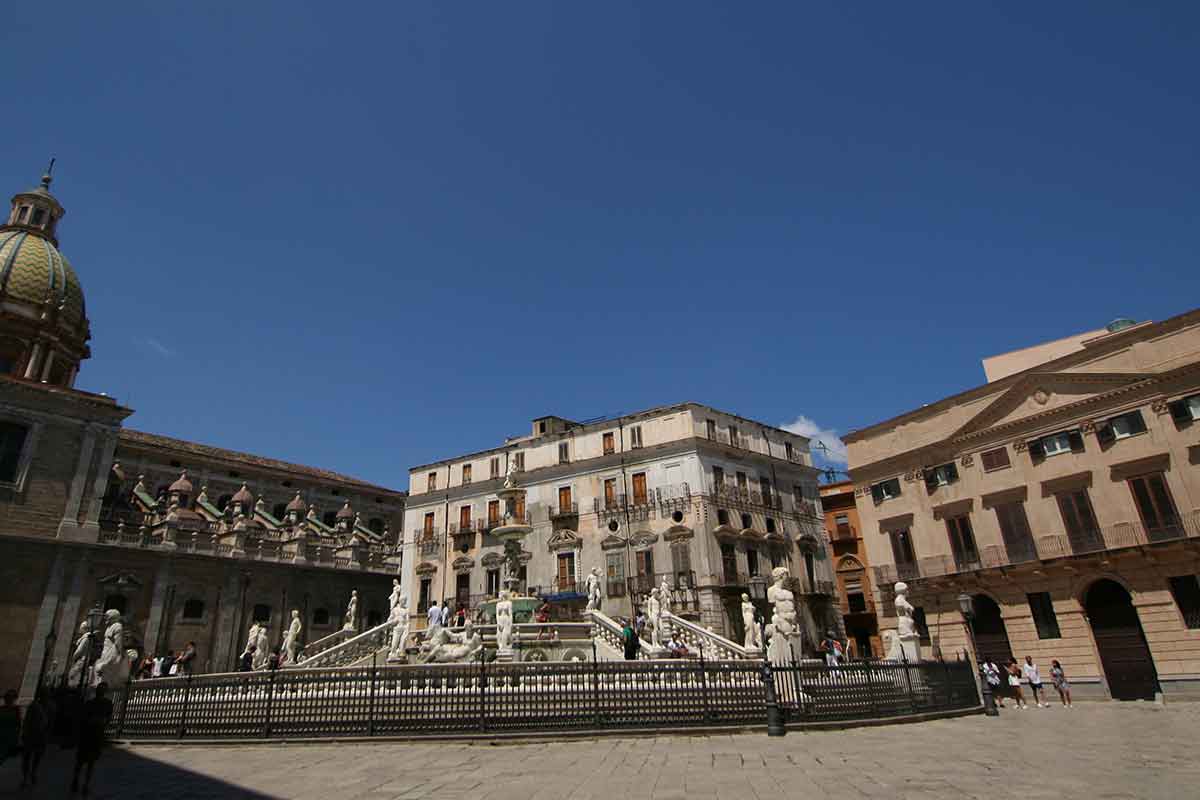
column 1063, row 495
column 697, row 497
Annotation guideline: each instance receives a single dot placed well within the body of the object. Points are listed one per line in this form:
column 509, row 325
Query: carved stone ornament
column 967, row 460
column 1160, row 406
column 862, row 491
column 463, row 564
column 612, row 542
column 564, row 539
column 914, row 475
column 677, row 532
column 1020, row 446
column 643, row 539
column 1041, row 396
column 426, row 568
column 1088, row 426
column 492, row 560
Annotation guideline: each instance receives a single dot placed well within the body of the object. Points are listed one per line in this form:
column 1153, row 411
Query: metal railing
column 565, row 586
column 353, row 649
column 429, row 546
column 843, row 533
column 529, row 697
column 564, row 510
column 730, row 492
column 1042, row 548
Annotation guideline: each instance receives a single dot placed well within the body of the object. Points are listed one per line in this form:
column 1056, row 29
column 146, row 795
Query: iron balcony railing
column 1121, row 536
column 730, row 492
column 429, row 545
column 843, row 533
column 564, row 510
column 470, row 526
column 562, row 585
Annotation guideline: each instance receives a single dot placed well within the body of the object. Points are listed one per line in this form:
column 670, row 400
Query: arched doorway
column 991, row 637
column 1124, row 654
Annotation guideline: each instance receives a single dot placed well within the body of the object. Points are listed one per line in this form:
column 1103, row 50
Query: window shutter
column 1180, row 412
column 1076, row 440
column 1037, row 452
column 877, row 493
column 930, row 479
column 951, row 472
column 1136, row 423
column 1105, row 435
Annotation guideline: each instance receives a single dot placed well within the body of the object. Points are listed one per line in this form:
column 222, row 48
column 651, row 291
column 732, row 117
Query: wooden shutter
column 1180, row 412
column 1105, row 435
column 1037, row 451
column 930, row 478
column 493, row 511
column 1076, row 440
column 877, row 493
column 639, row 488
column 564, row 499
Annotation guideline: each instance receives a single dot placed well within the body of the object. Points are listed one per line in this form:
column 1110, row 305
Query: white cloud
column 826, row 444
column 158, row 347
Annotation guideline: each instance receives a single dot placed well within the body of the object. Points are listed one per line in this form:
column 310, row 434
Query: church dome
column 32, row 271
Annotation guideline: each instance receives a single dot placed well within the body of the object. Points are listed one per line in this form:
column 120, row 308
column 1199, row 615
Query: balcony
column 428, row 540
column 1122, row 536
column 564, row 510
column 615, row 588
column 819, row 586
column 609, row 506
column 843, row 533
column 733, row 494
column 561, row 585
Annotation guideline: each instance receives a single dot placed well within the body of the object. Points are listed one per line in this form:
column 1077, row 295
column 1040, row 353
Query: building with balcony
column 843, row 529
column 1062, row 495
column 697, row 497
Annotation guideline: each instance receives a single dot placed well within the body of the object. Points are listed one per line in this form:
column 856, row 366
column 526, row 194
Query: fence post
column 704, row 685
column 187, row 696
column 270, row 705
column 371, row 707
column 595, row 686
column 912, row 698
column 482, row 691
column 871, row 691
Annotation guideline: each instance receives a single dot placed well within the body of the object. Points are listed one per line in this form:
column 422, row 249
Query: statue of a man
column 664, row 595
column 112, row 666
column 351, row 621
column 80, row 654
column 753, row 638
column 784, row 647
column 262, row 648
column 654, row 617
column 593, row 590
column 394, row 598
column 291, row 640
column 504, row 622
column 906, row 646
column 400, row 632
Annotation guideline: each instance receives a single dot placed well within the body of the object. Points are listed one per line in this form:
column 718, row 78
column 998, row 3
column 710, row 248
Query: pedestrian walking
column 1014, row 683
column 96, row 714
column 433, row 615
column 991, row 674
column 1059, row 677
column 445, row 621
column 10, row 726
column 35, row 731
column 832, row 649
column 1034, row 677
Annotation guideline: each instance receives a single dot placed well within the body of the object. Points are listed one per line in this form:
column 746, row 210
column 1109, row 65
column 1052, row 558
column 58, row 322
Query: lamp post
column 775, row 726
column 966, row 604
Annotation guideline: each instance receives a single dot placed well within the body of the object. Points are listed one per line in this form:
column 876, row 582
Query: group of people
column 1005, row 682
column 440, row 614
column 28, row 734
column 172, row 664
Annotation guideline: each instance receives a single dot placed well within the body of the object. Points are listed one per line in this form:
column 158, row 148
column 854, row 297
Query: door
column 493, row 512
column 610, row 493
column 991, row 637
column 1124, row 654
column 462, row 590
column 564, row 500
column 464, row 518
column 639, row 488
column 729, row 564
column 566, row 572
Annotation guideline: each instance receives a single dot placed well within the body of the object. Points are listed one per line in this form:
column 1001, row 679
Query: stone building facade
column 843, row 529
column 189, row 542
column 1063, row 496
column 701, row 498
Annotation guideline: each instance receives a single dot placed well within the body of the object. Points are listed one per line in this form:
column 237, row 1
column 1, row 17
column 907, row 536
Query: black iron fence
column 528, row 696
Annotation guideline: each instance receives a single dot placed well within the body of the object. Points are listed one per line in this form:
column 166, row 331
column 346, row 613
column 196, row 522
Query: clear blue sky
column 365, row 236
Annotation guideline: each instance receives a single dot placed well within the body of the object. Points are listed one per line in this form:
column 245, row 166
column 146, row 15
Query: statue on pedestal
column 80, row 655
column 783, row 646
column 262, row 648
column 112, row 667
column 664, row 595
column 504, row 622
column 446, row 646
column 753, row 636
column 655, row 618
column 291, row 640
column 351, row 619
column 393, row 598
column 400, row 631
column 906, row 646
column 510, row 480
column 593, row 590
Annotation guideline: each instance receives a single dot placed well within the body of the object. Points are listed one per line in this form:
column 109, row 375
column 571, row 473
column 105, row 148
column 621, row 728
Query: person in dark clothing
column 632, row 642
column 95, row 716
column 246, row 664
column 34, row 733
column 10, row 726
column 186, row 660
column 273, row 659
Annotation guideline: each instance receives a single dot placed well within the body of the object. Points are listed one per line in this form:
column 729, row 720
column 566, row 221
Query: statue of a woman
column 262, row 648
column 655, row 618
column 400, row 631
column 906, row 646
column 351, row 619
column 504, row 622
column 291, row 640
column 753, row 637
column 394, row 598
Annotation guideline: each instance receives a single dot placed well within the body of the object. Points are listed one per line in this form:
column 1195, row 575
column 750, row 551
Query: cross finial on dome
column 47, row 177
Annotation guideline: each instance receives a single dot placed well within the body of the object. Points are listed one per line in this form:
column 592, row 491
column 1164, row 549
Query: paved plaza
column 1097, row 750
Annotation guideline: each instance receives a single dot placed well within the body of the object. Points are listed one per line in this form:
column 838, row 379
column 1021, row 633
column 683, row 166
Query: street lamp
column 775, row 726
column 966, row 604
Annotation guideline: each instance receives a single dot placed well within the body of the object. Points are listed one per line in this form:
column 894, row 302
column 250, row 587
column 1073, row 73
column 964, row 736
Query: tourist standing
column 434, row 615
column 96, row 714
column 445, row 621
column 1035, row 681
column 1059, row 677
column 1014, row 683
column 632, row 641
column 34, row 732
column 832, row 649
column 991, row 674
column 460, row 619
column 186, row 660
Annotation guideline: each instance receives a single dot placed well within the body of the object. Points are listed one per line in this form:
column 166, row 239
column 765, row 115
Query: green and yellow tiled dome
column 33, row 271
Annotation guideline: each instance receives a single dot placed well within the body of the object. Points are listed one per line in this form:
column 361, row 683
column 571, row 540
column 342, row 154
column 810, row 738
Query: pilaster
column 42, row 628
column 69, row 527
column 68, row 617
column 157, row 604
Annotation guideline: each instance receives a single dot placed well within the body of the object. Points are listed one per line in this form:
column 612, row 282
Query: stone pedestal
column 504, row 656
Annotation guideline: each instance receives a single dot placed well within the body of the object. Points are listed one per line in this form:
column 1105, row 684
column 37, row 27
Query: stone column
column 227, row 622
column 68, row 618
column 69, row 527
column 157, row 603
column 34, row 355
column 46, row 367
column 42, row 628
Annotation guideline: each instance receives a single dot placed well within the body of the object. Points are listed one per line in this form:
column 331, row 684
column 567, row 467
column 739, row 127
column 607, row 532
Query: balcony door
column 564, row 500
column 566, row 572
column 464, row 518
column 962, row 543
column 1014, row 529
column 1082, row 532
column 639, row 488
column 1155, row 506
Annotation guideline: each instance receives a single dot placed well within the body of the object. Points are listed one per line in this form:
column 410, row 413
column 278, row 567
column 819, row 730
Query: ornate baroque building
column 1064, row 497
column 698, row 497
column 189, row 542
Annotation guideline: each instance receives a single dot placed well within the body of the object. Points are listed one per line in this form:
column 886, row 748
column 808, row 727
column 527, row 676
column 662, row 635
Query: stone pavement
column 1097, row 750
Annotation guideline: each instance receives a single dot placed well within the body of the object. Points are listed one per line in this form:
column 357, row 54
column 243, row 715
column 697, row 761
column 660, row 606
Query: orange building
column 850, row 566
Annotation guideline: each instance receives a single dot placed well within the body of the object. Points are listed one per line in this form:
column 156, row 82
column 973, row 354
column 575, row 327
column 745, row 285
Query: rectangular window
column 494, row 468
column 431, row 482
column 942, row 475
column 39, row 214
column 614, row 564
column 645, row 563
column 493, row 512
column 12, row 443
column 466, row 474
column 609, row 445
column 1014, row 529
column 962, row 542
column 635, row 436
column 718, row 479
column 423, row 598
column 1127, row 425
column 770, row 525
column 1078, row 519
column 23, row 215
column 1185, row 411
column 464, row 518
column 710, row 426
column 1044, row 618
column 734, row 439
column 751, row 561
column 787, row 450
column 681, row 562
column 747, row 522
column 428, row 529
column 722, row 516
column 564, row 500
column 885, row 490
column 765, row 485
column 610, row 493
column 639, row 488
column 520, row 459
column 1056, row 444
column 1154, row 503
column 742, row 484
column 1186, row 591
column 566, row 572
column 493, row 583
column 994, row 459
column 564, row 453
column 902, row 549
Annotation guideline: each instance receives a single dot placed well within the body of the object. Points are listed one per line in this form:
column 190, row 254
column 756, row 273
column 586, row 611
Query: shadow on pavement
column 122, row 775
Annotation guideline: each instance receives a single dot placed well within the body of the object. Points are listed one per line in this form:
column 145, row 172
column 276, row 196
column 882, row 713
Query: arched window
column 329, row 518
column 376, row 525
column 116, row 602
column 321, row 616
column 193, row 608
column 262, row 613
column 279, row 510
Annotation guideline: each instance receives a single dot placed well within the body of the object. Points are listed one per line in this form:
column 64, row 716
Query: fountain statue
column 593, row 590
column 80, row 654
column 291, row 640
column 753, row 637
column 400, row 631
column 783, row 634
column 448, row 647
column 112, row 667
column 906, row 644
column 654, row 617
column 664, row 595
column 504, row 627
column 351, row 619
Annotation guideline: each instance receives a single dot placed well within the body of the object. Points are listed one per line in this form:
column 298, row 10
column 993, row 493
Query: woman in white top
column 1035, row 681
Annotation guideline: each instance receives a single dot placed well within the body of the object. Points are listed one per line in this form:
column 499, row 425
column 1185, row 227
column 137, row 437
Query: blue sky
column 368, row 236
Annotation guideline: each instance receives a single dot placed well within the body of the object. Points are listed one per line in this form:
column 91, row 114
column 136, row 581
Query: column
column 46, row 367
column 157, row 603
column 42, row 628
column 34, row 355
column 69, row 527
column 226, row 623
column 68, row 618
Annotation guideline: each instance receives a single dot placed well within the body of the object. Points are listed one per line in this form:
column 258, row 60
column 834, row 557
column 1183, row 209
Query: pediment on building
column 612, row 542
column 643, row 539
column 677, row 532
column 564, row 539
column 426, row 568
column 463, row 564
column 1038, row 396
column 492, row 560
column 121, row 582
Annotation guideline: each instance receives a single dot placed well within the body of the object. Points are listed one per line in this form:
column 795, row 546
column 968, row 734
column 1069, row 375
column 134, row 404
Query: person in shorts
column 1014, row 683
column 1034, row 676
column 991, row 674
column 1059, row 678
